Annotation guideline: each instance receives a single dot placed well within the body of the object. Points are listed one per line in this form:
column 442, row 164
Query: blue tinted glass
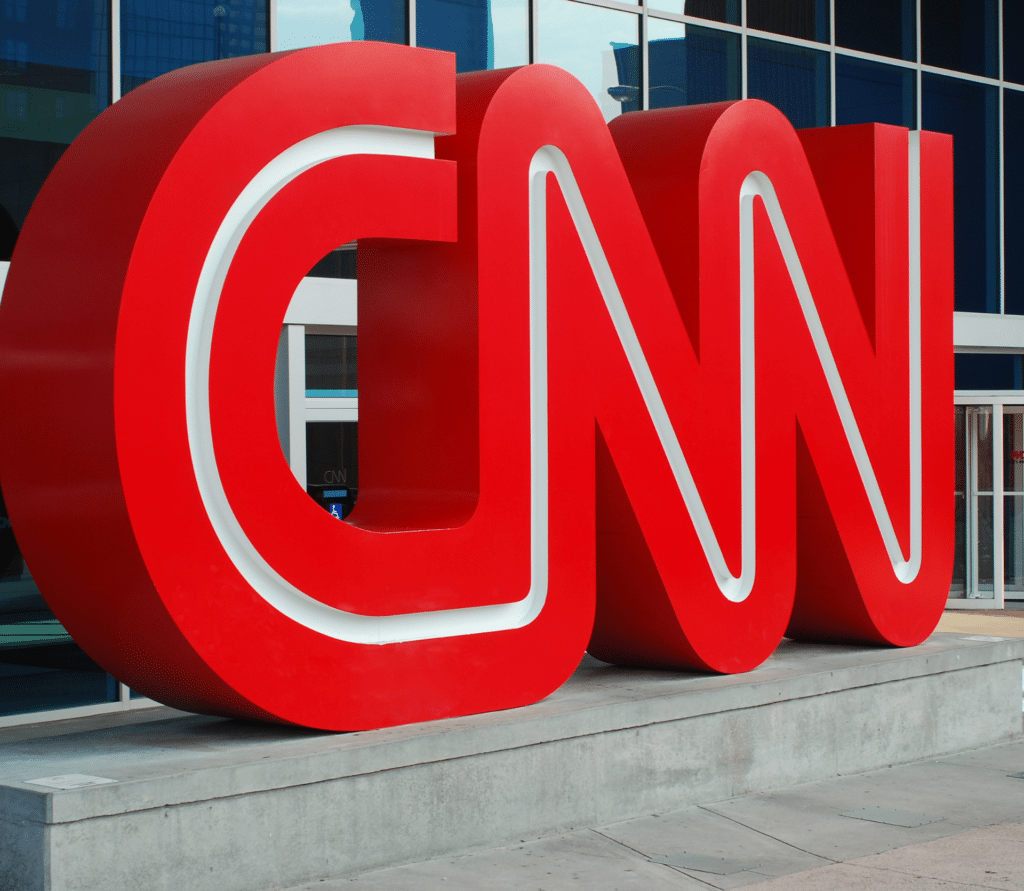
column 158, row 36
column 969, row 111
column 883, row 27
column 794, row 18
column 688, row 65
column 961, row 35
column 315, row 22
column 987, row 371
column 598, row 46
column 870, row 92
column 41, row 668
column 1013, row 42
column 712, row 10
column 1013, row 200
column 54, row 79
column 483, row 34
column 793, row 79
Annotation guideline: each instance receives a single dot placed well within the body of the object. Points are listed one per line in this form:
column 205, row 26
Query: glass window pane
column 871, row 92
column 794, row 18
column 331, row 365
column 1013, row 41
column 987, row 371
column 1013, row 200
column 960, row 35
column 883, row 27
column 339, row 263
column 483, row 34
column 712, row 10
column 332, row 465
column 958, row 584
column 41, row 668
column 969, row 111
column 597, row 46
column 793, row 79
column 688, row 65
column 160, row 37
column 54, row 79
column 314, row 22
column 1013, row 504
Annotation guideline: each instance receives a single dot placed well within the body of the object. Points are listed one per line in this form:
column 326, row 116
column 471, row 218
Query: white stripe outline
column 365, row 629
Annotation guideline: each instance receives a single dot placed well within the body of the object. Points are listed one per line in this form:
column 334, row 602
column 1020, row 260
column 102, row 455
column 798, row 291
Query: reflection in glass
column 988, row 371
column 339, row 263
column 1013, row 448
column 160, row 37
column 1013, row 201
column 1013, row 42
column 688, row 65
column 961, row 35
column 483, row 34
column 970, row 112
column 712, row 10
column 882, row 27
column 41, row 668
column 331, row 365
column 958, row 585
column 795, row 80
column 870, row 92
column 598, row 46
column 1013, row 500
column 54, row 79
column 316, row 22
column 985, row 548
column 332, row 465
column 974, row 554
column 794, row 18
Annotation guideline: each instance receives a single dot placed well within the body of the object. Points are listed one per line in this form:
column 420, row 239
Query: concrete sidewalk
column 795, row 839
column 814, row 837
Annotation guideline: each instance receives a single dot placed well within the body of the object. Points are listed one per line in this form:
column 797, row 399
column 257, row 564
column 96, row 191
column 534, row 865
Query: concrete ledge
column 206, row 803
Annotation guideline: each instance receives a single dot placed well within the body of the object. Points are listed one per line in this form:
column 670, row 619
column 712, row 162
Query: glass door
column 1013, row 502
column 975, row 556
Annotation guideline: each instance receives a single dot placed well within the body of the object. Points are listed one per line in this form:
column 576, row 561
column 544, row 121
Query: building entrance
column 988, row 564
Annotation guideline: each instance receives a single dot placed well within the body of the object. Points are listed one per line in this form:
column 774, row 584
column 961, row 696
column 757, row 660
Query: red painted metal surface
column 517, row 500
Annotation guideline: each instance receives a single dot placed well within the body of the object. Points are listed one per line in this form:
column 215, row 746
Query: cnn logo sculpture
column 664, row 390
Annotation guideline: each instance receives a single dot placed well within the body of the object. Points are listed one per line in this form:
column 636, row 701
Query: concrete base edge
column 205, row 803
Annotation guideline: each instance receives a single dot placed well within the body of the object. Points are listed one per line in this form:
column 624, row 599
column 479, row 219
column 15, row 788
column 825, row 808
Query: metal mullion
column 743, row 49
column 115, row 50
column 791, row 41
column 610, row 4
column 645, row 95
column 534, row 31
column 832, row 63
column 1002, row 169
column 971, row 507
column 874, row 57
column 297, row 401
column 1002, row 208
column 77, row 711
column 410, row 12
column 919, row 111
column 999, row 37
column 961, row 75
column 272, row 25
column 997, row 505
column 694, row 20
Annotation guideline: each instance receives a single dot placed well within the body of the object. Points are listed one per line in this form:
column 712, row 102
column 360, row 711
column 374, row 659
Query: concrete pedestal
column 215, row 805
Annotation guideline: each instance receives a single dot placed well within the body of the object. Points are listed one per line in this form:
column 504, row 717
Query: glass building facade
column 954, row 66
